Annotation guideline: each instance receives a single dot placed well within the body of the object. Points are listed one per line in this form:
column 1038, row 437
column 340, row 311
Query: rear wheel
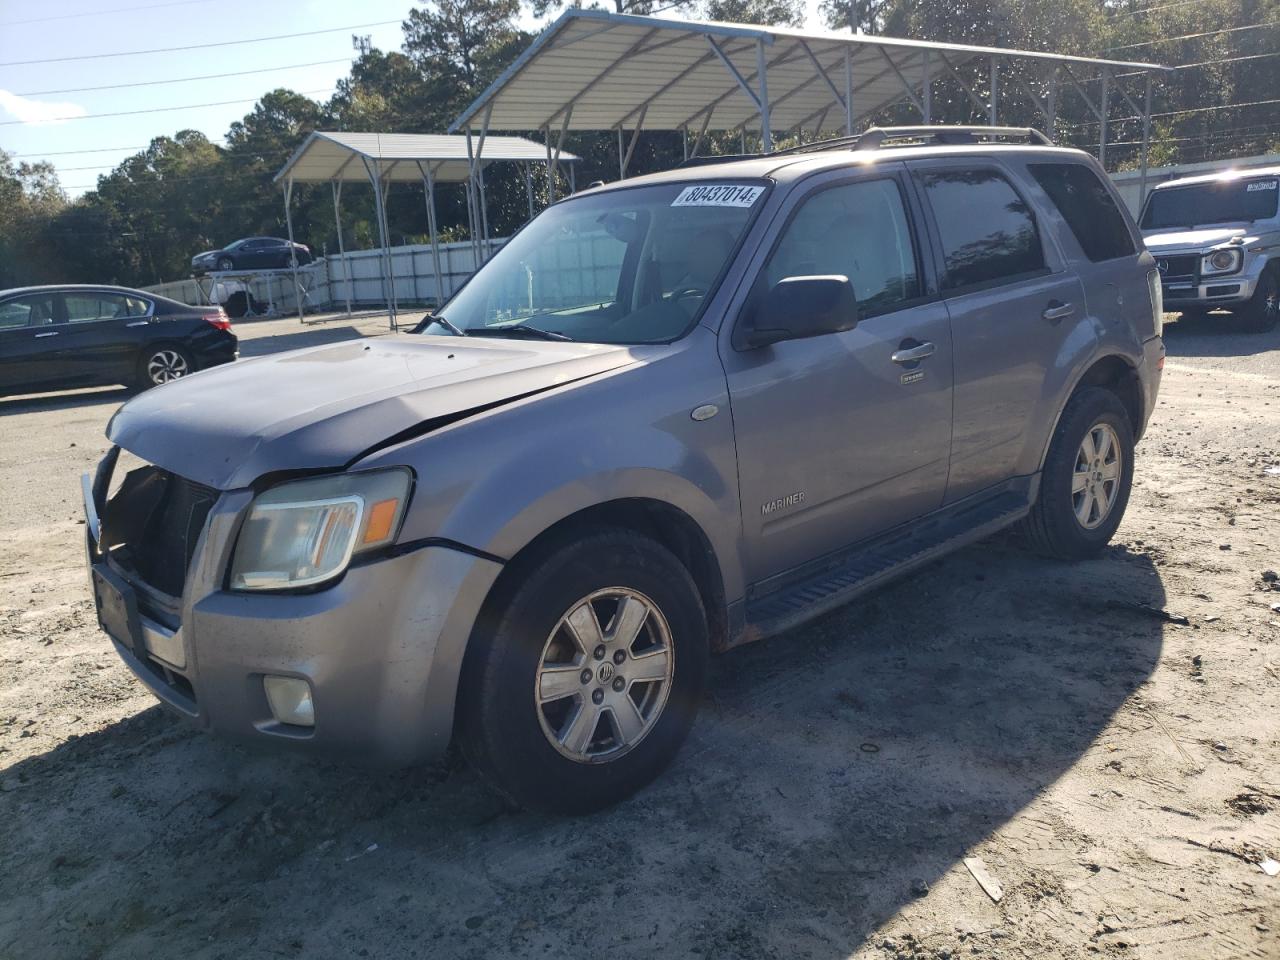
column 1084, row 487
column 162, row 364
column 584, row 688
column 1262, row 311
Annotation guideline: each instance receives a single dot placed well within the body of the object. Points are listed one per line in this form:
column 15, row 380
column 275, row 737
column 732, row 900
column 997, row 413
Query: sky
column 51, row 51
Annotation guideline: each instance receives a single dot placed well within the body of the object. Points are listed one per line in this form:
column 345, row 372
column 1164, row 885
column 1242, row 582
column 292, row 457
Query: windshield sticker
column 1261, row 185
column 718, row 195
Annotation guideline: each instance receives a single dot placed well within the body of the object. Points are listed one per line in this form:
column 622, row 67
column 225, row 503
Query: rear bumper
column 213, row 353
column 1153, row 354
column 381, row 649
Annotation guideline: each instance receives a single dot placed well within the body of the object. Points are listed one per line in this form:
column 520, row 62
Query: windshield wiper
column 521, row 329
column 449, row 325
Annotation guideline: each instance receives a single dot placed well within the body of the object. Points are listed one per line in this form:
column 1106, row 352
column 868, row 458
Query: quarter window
column 1088, row 207
column 987, row 230
column 858, row 230
column 33, row 310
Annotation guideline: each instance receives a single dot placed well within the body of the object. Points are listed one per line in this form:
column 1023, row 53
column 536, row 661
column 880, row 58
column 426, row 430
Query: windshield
column 625, row 266
column 1225, row 201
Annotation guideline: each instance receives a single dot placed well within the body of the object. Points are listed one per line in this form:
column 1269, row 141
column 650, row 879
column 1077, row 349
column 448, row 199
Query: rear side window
column 88, row 307
column 987, row 230
column 1088, row 207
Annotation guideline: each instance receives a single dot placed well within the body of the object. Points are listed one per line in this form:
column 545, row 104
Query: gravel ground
column 1117, row 771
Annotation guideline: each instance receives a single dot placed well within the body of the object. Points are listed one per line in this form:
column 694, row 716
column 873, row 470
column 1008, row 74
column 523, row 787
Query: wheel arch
column 1112, row 372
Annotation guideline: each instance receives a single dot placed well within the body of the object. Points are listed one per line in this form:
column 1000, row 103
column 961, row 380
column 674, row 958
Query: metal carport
column 386, row 158
column 594, row 70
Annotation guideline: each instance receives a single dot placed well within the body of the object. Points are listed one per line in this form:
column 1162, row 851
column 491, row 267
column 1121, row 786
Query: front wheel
column 164, row 364
column 1084, row 487
column 582, row 689
column 1262, row 311
column 226, row 263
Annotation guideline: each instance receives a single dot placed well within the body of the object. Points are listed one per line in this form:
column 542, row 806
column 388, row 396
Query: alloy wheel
column 1095, row 482
column 166, row 365
column 599, row 690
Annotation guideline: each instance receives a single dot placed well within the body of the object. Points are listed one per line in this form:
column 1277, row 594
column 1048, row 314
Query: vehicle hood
column 1202, row 237
column 322, row 407
column 206, row 253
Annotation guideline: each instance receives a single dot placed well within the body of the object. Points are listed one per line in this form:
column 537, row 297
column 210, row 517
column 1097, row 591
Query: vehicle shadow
column 1215, row 335
column 63, row 400
column 251, row 346
column 834, row 774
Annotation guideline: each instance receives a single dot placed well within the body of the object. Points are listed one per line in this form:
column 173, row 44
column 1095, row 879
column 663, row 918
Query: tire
column 526, row 646
column 163, row 363
column 226, row 263
column 1262, row 311
column 1071, row 524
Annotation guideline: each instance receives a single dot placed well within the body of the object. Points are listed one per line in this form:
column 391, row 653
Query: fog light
column 290, row 700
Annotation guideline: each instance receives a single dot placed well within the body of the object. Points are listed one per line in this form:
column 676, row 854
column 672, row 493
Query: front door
column 28, row 338
column 843, row 436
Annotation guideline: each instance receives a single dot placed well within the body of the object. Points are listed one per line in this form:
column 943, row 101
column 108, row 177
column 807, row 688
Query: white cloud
column 38, row 111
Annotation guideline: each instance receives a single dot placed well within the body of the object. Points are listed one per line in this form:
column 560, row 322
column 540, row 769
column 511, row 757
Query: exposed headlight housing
column 305, row 532
column 1221, row 261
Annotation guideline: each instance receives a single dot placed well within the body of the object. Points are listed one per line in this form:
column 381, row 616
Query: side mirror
column 801, row 307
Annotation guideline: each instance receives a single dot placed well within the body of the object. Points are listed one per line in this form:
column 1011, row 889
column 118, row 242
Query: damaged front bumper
column 380, row 650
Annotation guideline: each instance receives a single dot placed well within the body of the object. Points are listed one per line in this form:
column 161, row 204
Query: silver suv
column 1216, row 240
column 672, row 415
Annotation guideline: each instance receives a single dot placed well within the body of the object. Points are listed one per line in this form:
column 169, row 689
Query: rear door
column 103, row 335
column 843, row 436
column 28, row 341
column 1012, row 301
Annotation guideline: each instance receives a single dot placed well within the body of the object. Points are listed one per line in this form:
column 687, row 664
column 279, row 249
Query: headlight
column 303, row 533
column 1221, row 261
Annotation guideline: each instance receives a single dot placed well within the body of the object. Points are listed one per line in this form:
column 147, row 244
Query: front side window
column 857, row 230
column 1088, row 207
column 87, row 307
column 987, row 230
column 1206, row 204
column 32, row 310
column 625, row 266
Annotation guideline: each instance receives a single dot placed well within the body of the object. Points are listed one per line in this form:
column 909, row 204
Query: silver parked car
column 672, row 415
column 1216, row 240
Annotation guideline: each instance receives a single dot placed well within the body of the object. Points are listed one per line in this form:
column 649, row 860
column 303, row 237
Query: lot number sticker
column 718, row 195
column 1260, row 186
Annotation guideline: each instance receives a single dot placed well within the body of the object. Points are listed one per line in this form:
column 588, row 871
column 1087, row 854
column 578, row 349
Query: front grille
column 152, row 525
column 1180, row 268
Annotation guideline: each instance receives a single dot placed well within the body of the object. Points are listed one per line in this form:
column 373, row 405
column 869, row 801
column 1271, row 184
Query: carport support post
column 993, row 113
column 429, row 188
column 528, row 186
column 342, row 253
column 1102, row 137
column 293, row 254
column 471, row 202
column 848, row 92
column 380, row 213
column 762, row 69
column 1146, row 138
column 926, row 84
column 1051, row 101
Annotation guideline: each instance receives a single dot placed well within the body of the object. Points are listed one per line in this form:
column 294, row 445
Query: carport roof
column 326, row 156
column 595, row 70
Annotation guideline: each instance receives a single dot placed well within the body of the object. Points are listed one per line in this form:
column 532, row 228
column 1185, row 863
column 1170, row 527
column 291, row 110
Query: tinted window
column 859, row 231
column 33, row 310
column 1223, row 201
column 988, row 232
column 1088, row 207
column 85, row 307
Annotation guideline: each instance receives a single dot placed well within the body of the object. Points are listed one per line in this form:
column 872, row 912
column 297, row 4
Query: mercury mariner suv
column 672, row 415
column 1216, row 240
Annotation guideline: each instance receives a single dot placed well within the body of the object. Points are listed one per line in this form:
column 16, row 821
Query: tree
column 787, row 13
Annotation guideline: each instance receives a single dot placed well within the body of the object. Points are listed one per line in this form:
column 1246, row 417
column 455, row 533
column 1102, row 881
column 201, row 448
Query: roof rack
column 880, row 138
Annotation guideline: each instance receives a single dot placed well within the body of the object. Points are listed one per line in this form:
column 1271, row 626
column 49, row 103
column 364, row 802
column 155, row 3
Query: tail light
column 1157, row 301
column 219, row 319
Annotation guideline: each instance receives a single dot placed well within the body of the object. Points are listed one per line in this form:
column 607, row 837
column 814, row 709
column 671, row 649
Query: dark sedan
column 251, row 253
column 56, row 338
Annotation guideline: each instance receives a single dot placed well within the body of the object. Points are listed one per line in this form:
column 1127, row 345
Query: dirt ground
column 1117, row 772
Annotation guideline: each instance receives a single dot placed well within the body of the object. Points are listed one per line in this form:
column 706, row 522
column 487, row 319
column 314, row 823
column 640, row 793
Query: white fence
column 328, row 283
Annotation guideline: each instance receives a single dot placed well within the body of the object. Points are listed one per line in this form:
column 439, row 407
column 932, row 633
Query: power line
column 67, row 153
column 197, row 46
column 132, row 113
column 207, row 76
column 1209, row 63
column 98, row 13
column 1187, row 36
column 1164, row 6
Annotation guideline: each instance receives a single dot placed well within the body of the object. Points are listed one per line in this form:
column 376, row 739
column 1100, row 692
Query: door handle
column 913, row 354
column 1057, row 310
column 49, row 333
column 138, row 323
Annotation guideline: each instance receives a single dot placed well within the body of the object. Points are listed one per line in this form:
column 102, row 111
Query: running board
column 849, row 574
